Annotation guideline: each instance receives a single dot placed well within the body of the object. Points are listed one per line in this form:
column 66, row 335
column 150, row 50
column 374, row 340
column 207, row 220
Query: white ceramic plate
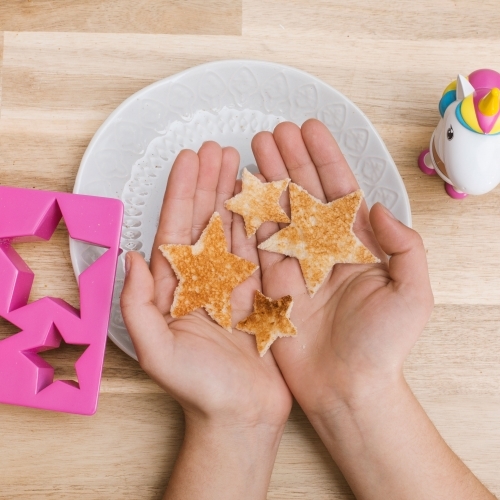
column 131, row 154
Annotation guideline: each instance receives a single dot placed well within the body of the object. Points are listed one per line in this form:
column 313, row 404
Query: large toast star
column 258, row 202
column 320, row 235
column 270, row 319
column 207, row 274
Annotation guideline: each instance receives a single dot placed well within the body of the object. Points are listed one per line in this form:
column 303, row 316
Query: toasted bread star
column 320, row 235
column 270, row 319
column 258, row 202
column 207, row 274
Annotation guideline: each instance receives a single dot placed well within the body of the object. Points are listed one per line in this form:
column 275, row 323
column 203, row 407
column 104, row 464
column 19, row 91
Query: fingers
column 210, row 161
column 145, row 323
column 408, row 263
column 315, row 162
column 176, row 218
column 337, row 178
column 176, row 221
column 300, row 166
column 334, row 173
column 225, row 188
column 270, row 163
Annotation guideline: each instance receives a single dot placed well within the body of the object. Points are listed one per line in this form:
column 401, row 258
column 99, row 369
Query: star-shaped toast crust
column 207, row 274
column 258, row 202
column 320, row 235
column 270, row 320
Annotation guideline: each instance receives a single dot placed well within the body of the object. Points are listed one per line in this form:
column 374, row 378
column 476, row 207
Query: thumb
column 408, row 262
column 145, row 323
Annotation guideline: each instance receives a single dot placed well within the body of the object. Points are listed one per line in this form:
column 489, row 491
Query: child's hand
column 356, row 332
column 345, row 365
column 235, row 403
column 210, row 371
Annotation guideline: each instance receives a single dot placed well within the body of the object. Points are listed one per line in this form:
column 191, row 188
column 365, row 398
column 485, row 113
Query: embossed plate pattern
column 131, row 154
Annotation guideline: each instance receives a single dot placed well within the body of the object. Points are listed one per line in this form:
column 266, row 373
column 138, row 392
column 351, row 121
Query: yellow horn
column 490, row 103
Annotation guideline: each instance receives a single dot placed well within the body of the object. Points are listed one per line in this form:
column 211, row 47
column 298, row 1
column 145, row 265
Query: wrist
column 352, row 396
column 254, row 438
column 268, row 416
column 224, row 461
column 352, row 426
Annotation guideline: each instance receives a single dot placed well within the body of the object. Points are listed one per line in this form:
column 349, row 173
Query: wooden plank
column 1, row 69
column 457, row 353
column 397, row 20
column 214, row 17
column 41, row 154
column 46, row 72
column 50, row 455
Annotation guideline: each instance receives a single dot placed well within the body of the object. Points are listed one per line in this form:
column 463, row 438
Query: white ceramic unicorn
column 465, row 147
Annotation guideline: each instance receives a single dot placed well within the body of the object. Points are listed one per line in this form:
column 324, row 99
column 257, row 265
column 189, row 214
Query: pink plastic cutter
column 25, row 378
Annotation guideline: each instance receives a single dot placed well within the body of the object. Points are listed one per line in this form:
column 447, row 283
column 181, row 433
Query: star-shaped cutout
column 258, row 202
column 56, row 359
column 63, row 359
column 207, row 274
column 270, row 320
column 320, row 235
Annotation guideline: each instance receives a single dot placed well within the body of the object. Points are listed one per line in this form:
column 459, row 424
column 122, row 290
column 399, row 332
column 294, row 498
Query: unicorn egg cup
column 465, row 147
column 25, row 378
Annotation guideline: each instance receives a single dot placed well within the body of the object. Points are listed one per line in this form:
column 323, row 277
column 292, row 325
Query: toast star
column 270, row 320
column 258, row 202
column 207, row 274
column 320, row 235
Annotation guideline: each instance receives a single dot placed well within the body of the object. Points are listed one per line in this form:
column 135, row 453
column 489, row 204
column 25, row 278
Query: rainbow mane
column 479, row 111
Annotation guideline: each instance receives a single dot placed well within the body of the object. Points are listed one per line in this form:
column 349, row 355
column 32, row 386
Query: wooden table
column 66, row 65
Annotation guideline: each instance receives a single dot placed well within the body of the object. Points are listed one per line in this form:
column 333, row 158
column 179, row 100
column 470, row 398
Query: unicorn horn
column 490, row 103
column 464, row 87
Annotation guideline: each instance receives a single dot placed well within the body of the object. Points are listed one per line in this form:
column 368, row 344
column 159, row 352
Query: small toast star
column 207, row 274
column 258, row 202
column 270, row 320
column 320, row 235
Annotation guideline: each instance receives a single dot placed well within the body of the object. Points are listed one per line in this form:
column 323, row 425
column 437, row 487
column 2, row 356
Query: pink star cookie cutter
column 25, row 378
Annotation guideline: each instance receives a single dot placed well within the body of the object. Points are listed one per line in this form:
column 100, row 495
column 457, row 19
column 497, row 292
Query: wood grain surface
column 66, row 65
column 200, row 17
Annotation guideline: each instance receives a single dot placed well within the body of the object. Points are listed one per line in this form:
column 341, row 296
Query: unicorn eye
column 449, row 133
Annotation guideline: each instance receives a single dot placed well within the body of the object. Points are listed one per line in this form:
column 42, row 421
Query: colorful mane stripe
column 449, row 97
column 480, row 111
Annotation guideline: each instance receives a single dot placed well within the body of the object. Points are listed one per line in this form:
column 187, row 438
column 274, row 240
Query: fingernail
column 127, row 263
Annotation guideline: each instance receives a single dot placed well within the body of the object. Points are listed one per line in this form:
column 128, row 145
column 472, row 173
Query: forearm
column 387, row 448
column 224, row 462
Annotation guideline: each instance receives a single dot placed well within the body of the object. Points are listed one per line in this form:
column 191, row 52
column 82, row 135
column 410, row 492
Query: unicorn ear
column 464, row 88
